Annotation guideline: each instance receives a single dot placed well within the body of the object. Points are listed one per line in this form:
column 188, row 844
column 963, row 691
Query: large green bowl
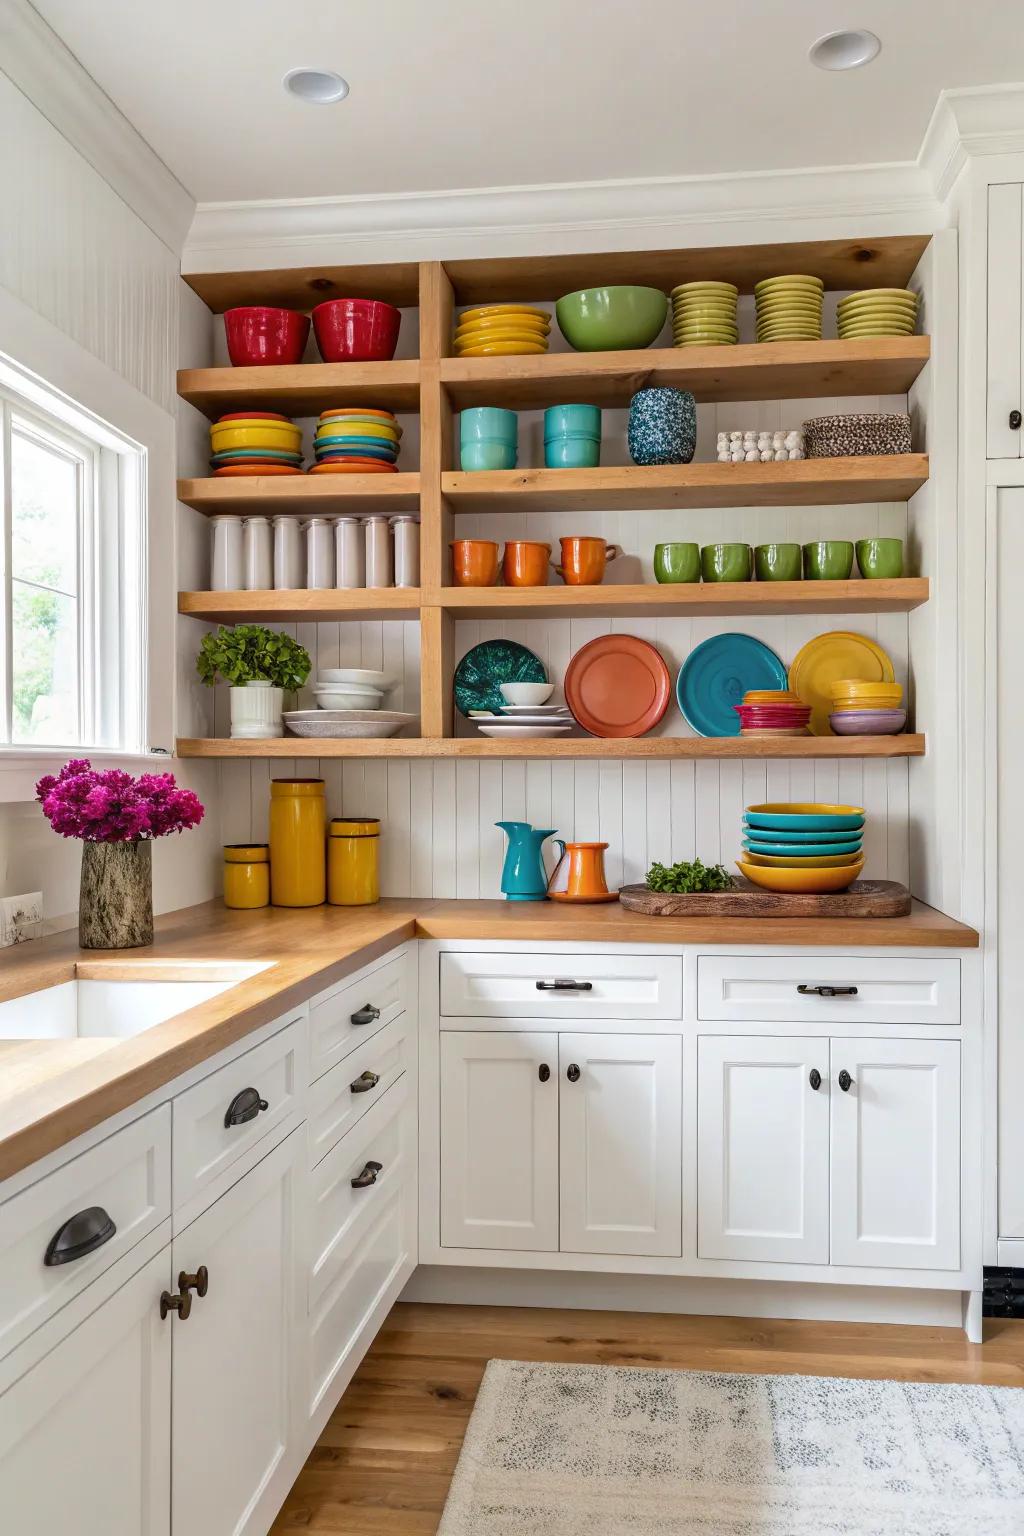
column 611, row 319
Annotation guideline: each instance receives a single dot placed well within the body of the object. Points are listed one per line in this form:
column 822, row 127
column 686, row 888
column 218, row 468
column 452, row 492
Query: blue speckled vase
column 662, row 426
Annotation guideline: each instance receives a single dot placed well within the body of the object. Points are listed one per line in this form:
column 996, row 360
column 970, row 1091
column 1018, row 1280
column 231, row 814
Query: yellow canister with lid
column 353, row 861
column 298, row 824
column 246, row 875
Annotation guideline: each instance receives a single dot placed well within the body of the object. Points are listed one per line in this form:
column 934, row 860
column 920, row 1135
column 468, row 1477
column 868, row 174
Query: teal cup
column 560, row 420
column 677, row 562
column 880, row 559
column 726, row 562
column 778, row 562
column 488, row 453
column 489, row 422
column 572, row 451
column 828, row 560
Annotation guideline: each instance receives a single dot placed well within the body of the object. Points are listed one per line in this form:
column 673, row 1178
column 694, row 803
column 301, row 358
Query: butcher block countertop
column 53, row 1091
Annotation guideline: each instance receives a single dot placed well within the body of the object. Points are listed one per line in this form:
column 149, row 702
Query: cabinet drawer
column 204, row 1143
column 340, row 1212
column 517, row 985
column 340, row 1019
column 766, row 989
column 128, row 1176
column 340, row 1099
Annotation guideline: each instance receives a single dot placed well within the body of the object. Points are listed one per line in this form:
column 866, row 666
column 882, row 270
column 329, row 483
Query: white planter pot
column 256, row 712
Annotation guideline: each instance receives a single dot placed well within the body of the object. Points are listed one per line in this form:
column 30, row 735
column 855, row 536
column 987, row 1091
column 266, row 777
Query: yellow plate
column 831, row 658
column 801, row 882
column 804, row 808
column 853, row 306
column 503, row 323
column 881, row 293
column 769, row 696
column 692, row 327
column 789, row 334
column 705, row 312
column 502, row 349
column 505, row 333
column 865, row 332
column 705, row 287
column 792, row 280
column 787, row 306
column 486, row 311
column 705, row 341
column 359, row 429
column 822, row 861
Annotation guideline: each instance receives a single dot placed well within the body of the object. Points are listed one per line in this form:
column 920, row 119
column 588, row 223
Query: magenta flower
column 114, row 807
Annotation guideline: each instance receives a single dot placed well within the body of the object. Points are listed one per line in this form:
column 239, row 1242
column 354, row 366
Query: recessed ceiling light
column 316, row 85
column 845, row 50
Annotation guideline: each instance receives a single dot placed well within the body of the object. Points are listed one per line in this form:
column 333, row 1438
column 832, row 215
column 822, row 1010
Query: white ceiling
column 462, row 93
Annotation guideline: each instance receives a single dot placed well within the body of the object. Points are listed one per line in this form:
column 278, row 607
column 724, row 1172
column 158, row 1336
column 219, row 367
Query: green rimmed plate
column 480, row 673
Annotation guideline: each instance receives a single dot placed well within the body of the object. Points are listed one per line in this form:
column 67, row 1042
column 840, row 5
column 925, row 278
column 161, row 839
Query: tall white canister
column 349, row 552
column 226, row 568
column 289, row 556
column 258, row 554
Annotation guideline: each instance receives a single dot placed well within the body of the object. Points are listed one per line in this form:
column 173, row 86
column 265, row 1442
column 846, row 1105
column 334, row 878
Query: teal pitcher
column 523, row 877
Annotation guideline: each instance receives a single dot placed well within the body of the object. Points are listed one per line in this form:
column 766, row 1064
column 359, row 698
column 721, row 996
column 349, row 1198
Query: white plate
column 349, row 714
column 357, row 675
column 533, row 732
column 535, row 711
column 328, row 730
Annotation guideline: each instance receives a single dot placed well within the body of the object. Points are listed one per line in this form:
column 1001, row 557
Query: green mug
column 726, row 562
column 777, row 562
column 677, row 562
column 828, row 560
column 880, row 559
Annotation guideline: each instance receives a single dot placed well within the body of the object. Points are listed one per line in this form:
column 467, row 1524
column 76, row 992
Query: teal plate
column 777, row 835
column 803, row 850
column 716, row 675
column 481, row 671
column 801, row 821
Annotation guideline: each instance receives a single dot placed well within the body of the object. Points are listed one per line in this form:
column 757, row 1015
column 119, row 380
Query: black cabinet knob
column 182, row 1304
column 364, row 1015
column 81, row 1234
column 368, row 1175
column 364, row 1082
column 814, row 1078
column 572, row 1072
column 1015, row 421
column 199, row 1282
column 845, row 1081
column 543, row 1071
column 245, row 1106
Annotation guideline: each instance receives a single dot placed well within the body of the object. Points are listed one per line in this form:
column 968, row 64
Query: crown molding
column 35, row 60
column 969, row 123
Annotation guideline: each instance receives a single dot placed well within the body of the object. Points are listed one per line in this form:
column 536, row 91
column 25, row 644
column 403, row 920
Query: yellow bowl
column 865, row 332
column 822, row 861
column 705, row 341
column 862, row 687
column 904, row 295
column 687, row 327
column 790, row 280
column 488, row 311
column 804, row 808
column 267, row 434
column 788, row 307
column 359, row 429
column 801, row 882
column 502, row 349
column 704, row 312
column 854, row 306
column 704, row 287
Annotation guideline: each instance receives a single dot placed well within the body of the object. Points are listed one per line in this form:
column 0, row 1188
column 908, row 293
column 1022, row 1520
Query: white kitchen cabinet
column 896, row 1153
column 620, row 1129
column 85, row 1433
column 1005, row 320
column 762, row 1149
column 237, row 1356
column 499, row 1140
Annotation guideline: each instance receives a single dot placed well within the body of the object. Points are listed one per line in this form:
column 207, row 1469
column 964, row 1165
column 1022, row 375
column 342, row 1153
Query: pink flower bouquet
column 114, row 807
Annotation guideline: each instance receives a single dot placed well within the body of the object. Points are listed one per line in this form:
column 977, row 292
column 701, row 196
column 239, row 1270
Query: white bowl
column 348, row 697
column 526, row 693
column 360, row 676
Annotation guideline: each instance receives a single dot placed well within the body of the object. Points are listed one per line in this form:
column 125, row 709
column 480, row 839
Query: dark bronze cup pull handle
column 245, row 1106
column 364, row 1082
column 81, row 1234
column 368, row 1176
column 364, row 1015
column 182, row 1304
column 806, row 991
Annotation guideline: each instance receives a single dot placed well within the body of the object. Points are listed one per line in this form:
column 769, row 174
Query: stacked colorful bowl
column 704, row 315
column 356, row 440
column 811, row 850
column 866, row 709
column 502, row 330
column 877, row 312
column 789, row 308
column 255, row 443
column 772, row 712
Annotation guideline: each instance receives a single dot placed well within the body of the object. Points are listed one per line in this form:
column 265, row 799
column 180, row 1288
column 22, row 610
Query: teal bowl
column 488, row 453
column 791, row 821
column 572, row 452
column 489, row 422
column 611, row 319
column 562, row 419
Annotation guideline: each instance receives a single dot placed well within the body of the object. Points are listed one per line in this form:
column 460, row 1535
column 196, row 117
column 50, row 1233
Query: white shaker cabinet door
column 1005, row 321
column 236, row 1355
column 85, row 1438
column 620, row 1143
column 499, row 1140
column 762, row 1149
column 896, row 1153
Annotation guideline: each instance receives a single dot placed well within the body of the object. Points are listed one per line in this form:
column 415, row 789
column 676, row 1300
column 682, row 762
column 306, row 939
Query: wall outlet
column 21, row 917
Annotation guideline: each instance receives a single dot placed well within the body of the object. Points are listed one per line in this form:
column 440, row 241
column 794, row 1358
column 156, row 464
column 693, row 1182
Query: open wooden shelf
column 302, row 389
column 722, row 599
column 301, row 494
column 688, row 747
column 303, row 287
column 307, row 606
column 785, row 370
column 795, row 483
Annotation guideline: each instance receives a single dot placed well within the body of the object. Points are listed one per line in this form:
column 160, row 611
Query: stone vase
column 115, row 908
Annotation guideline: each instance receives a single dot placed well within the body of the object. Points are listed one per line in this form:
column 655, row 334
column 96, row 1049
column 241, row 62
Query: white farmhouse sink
column 97, row 1007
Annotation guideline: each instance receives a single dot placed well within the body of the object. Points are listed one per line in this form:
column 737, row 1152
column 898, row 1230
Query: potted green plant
column 259, row 665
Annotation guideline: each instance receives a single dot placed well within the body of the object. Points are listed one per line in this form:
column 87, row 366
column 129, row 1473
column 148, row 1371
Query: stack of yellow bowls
column 789, row 308
column 255, row 443
column 877, row 312
column 704, row 315
column 502, row 330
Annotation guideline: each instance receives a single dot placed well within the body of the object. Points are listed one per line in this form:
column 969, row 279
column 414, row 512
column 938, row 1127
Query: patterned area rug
column 591, row 1450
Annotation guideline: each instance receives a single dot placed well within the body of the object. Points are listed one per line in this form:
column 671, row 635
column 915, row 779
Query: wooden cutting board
column 864, row 898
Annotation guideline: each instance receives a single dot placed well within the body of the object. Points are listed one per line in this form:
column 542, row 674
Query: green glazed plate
column 482, row 670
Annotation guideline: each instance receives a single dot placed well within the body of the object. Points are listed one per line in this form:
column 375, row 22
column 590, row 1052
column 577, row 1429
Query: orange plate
column 351, row 468
column 248, row 470
column 617, row 685
column 582, row 901
column 356, row 410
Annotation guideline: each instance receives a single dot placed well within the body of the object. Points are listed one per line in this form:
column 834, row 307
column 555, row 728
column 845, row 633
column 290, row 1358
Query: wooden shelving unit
column 437, row 385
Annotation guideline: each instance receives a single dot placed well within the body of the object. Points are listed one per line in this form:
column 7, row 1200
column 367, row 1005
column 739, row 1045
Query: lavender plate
column 868, row 722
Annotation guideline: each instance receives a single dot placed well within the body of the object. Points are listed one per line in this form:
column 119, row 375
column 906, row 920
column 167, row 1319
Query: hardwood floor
column 384, row 1461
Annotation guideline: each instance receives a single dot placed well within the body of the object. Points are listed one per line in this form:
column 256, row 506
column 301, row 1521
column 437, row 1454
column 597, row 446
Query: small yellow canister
column 298, row 822
column 353, row 868
column 246, row 875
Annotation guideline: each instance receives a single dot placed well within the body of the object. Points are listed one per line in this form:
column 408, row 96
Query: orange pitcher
column 584, row 560
column 579, row 873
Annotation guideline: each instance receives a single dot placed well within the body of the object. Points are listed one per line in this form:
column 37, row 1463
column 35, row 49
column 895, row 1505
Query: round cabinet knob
column 845, row 1081
column 814, row 1078
column 199, row 1282
column 543, row 1071
column 572, row 1072
column 182, row 1304
column 1015, row 421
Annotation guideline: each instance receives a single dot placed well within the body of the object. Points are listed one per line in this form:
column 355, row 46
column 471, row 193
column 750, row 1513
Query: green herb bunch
column 251, row 653
column 683, row 878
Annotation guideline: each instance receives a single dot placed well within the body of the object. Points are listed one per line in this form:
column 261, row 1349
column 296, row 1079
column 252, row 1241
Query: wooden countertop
column 53, row 1091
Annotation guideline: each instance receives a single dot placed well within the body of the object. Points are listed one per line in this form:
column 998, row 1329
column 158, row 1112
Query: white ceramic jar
column 349, row 552
column 289, row 562
column 256, row 712
column 406, row 533
column 226, row 567
column 379, row 560
column 319, row 552
column 258, row 554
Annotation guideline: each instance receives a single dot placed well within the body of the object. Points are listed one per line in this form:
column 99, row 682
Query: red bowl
column 356, row 330
column 258, row 335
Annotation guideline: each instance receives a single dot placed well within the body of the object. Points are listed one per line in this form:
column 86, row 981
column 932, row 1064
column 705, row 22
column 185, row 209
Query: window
column 73, row 562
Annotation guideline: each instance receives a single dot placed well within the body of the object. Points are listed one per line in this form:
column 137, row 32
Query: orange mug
column 584, row 560
column 526, row 563
column 579, row 873
column 474, row 562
